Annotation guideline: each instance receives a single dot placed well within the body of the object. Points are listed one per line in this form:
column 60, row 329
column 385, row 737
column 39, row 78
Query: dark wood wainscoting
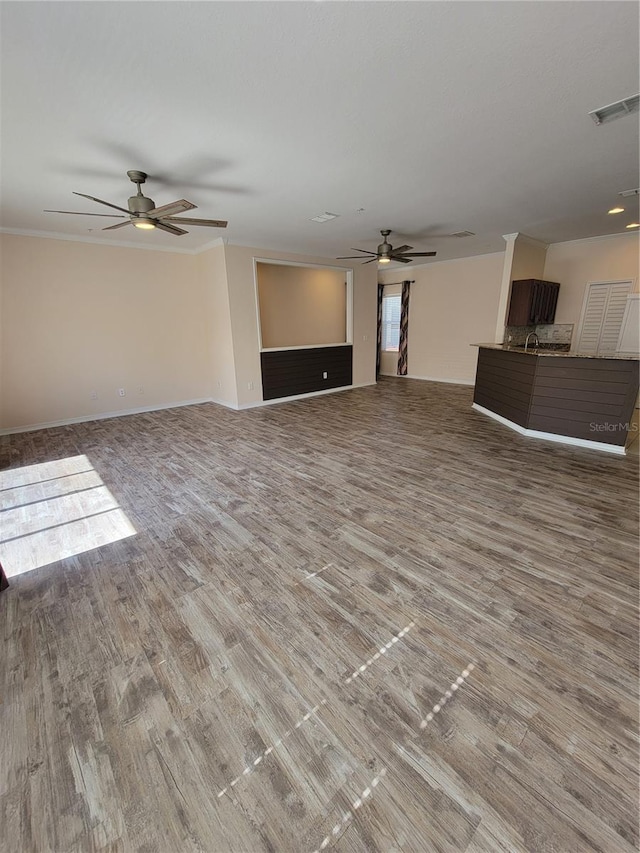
column 586, row 398
column 589, row 398
column 504, row 384
column 286, row 373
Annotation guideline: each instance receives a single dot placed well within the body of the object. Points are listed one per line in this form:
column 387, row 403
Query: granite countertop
column 550, row 353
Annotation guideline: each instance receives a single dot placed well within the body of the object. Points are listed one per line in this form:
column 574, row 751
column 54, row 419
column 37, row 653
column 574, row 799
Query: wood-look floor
column 151, row 687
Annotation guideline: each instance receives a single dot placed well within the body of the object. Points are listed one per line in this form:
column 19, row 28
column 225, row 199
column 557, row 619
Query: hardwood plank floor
column 371, row 621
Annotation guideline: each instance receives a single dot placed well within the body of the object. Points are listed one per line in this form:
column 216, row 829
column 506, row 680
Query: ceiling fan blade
column 366, row 251
column 401, row 249
column 419, row 254
column 403, row 260
column 118, row 225
column 171, row 209
column 163, row 226
column 350, row 258
column 100, row 201
column 371, row 261
column 211, row 223
column 82, row 213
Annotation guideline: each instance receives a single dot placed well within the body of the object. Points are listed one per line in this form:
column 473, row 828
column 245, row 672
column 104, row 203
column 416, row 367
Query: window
column 390, row 323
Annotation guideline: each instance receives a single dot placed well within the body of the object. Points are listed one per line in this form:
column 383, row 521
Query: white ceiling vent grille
column 617, row 110
column 629, row 193
column 463, row 234
column 324, row 217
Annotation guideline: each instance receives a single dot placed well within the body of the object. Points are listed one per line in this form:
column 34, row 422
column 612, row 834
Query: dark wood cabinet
column 532, row 301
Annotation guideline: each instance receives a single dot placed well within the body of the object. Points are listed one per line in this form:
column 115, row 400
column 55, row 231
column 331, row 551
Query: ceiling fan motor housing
column 140, row 204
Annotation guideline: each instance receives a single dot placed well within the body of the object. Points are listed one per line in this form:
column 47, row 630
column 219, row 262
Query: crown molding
column 532, row 241
column 634, row 233
column 517, row 235
column 212, row 244
column 435, row 263
column 74, row 238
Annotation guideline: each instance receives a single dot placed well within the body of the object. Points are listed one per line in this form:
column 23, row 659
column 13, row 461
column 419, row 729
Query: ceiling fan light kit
column 142, row 212
column 386, row 253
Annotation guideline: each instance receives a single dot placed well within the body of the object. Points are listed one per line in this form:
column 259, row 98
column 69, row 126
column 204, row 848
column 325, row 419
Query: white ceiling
column 433, row 117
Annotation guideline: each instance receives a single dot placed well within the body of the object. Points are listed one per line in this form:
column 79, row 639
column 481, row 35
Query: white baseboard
column 551, row 436
column 103, row 416
column 259, row 403
column 142, row 409
column 433, row 379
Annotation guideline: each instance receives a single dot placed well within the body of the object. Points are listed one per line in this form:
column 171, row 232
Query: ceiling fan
column 144, row 214
column 387, row 253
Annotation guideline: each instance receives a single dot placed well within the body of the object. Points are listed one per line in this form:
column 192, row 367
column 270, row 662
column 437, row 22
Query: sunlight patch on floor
column 55, row 510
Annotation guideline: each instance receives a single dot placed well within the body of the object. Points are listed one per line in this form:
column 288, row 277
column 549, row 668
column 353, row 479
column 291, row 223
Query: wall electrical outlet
column 219, row 383
column 250, row 386
column 365, row 337
column 140, row 390
column 121, row 392
column 93, row 395
column 325, row 375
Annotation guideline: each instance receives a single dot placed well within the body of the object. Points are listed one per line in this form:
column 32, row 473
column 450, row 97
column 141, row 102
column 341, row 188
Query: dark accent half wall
column 286, row 373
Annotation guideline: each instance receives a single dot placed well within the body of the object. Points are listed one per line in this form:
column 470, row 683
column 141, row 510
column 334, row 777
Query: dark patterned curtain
column 380, row 291
column 404, row 329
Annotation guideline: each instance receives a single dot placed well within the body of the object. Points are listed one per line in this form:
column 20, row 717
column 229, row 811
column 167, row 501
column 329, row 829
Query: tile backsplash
column 550, row 333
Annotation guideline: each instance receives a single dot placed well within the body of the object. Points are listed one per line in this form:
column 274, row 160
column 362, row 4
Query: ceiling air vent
column 463, row 234
column 324, row 217
column 629, row 193
column 617, row 110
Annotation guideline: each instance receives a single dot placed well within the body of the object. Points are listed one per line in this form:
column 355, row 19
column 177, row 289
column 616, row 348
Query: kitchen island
column 569, row 397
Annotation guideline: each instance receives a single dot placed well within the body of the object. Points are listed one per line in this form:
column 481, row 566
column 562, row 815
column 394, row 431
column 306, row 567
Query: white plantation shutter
column 629, row 340
column 603, row 315
column 390, row 323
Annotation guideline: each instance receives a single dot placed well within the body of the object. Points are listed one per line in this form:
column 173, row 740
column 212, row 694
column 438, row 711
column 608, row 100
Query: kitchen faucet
column 530, row 335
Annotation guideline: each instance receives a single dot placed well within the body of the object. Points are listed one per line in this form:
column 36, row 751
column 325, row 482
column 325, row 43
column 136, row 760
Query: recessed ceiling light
column 634, row 225
column 324, row 217
column 616, row 210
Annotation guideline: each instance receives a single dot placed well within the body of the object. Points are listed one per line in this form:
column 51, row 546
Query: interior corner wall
column 80, row 318
column 528, row 259
column 523, row 258
column 244, row 318
column 574, row 264
column 453, row 305
column 212, row 271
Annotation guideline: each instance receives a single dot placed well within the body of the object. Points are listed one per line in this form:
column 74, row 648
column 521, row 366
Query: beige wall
column 528, row 259
column 301, row 306
column 244, row 318
column 576, row 263
column 523, row 258
column 453, row 305
column 212, row 269
column 80, row 317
